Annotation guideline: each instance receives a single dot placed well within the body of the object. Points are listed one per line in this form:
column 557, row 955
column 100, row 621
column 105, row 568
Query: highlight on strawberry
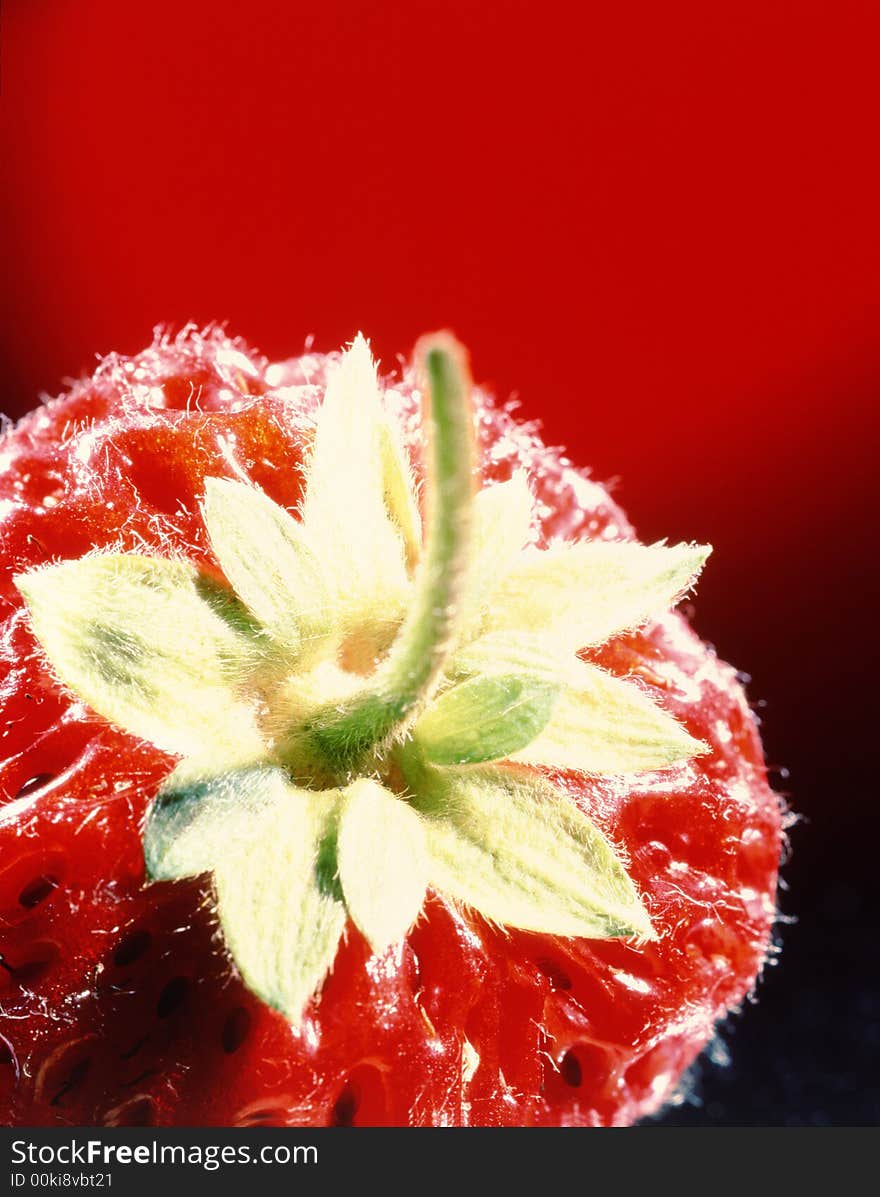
column 361, row 725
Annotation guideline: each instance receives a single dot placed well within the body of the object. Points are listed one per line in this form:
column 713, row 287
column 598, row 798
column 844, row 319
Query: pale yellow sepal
column 153, row 646
column 500, row 653
column 383, row 862
column 601, row 724
column 269, row 846
column 577, row 595
column 281, row 914
column 502, row 516
column 345, row 516
column 261, row 551
column 199, row 816
column 400, row 491
column 511, row 846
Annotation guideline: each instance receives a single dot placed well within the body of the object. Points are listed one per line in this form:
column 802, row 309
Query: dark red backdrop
column 657, row 223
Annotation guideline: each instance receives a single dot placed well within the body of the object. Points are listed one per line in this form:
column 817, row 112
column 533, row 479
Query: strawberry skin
column 121, row 1005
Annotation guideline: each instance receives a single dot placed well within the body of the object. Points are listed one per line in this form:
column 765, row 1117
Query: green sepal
column 383, row 862
column 154, row 646
column 599, row 724
column 509, row 844
column 485, row 718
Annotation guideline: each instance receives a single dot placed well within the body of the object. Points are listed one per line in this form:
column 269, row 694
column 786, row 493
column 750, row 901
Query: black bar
column 165, row 1162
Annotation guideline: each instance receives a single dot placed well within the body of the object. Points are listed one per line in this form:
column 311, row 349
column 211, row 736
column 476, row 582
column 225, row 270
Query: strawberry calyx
column 359, row 718
column 340, row 738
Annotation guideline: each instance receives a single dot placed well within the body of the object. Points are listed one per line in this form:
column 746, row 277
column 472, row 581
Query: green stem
column 339, row 739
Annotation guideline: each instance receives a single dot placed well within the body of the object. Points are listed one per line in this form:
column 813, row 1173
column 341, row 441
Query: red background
column 657, row 223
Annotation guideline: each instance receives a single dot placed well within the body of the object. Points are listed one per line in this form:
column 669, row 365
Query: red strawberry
column 324, row 689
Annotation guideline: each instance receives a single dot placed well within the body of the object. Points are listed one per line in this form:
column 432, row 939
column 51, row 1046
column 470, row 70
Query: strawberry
column 356, row 769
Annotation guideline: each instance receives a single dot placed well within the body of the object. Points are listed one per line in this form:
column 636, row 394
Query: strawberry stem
column 338, row 739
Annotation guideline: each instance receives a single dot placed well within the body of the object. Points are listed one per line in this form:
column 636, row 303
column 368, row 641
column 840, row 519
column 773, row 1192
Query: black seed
column 555, row 973
column 345, row 1109
column 76, row 1076
column 136, row 1080
column 34, row 783
column 264, row 1117
column 135, row 945
column 172, row 996
column 32, row 970
column 36, row 891
column 135, row 1048
column 570, row 1067
column 235, row 1029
